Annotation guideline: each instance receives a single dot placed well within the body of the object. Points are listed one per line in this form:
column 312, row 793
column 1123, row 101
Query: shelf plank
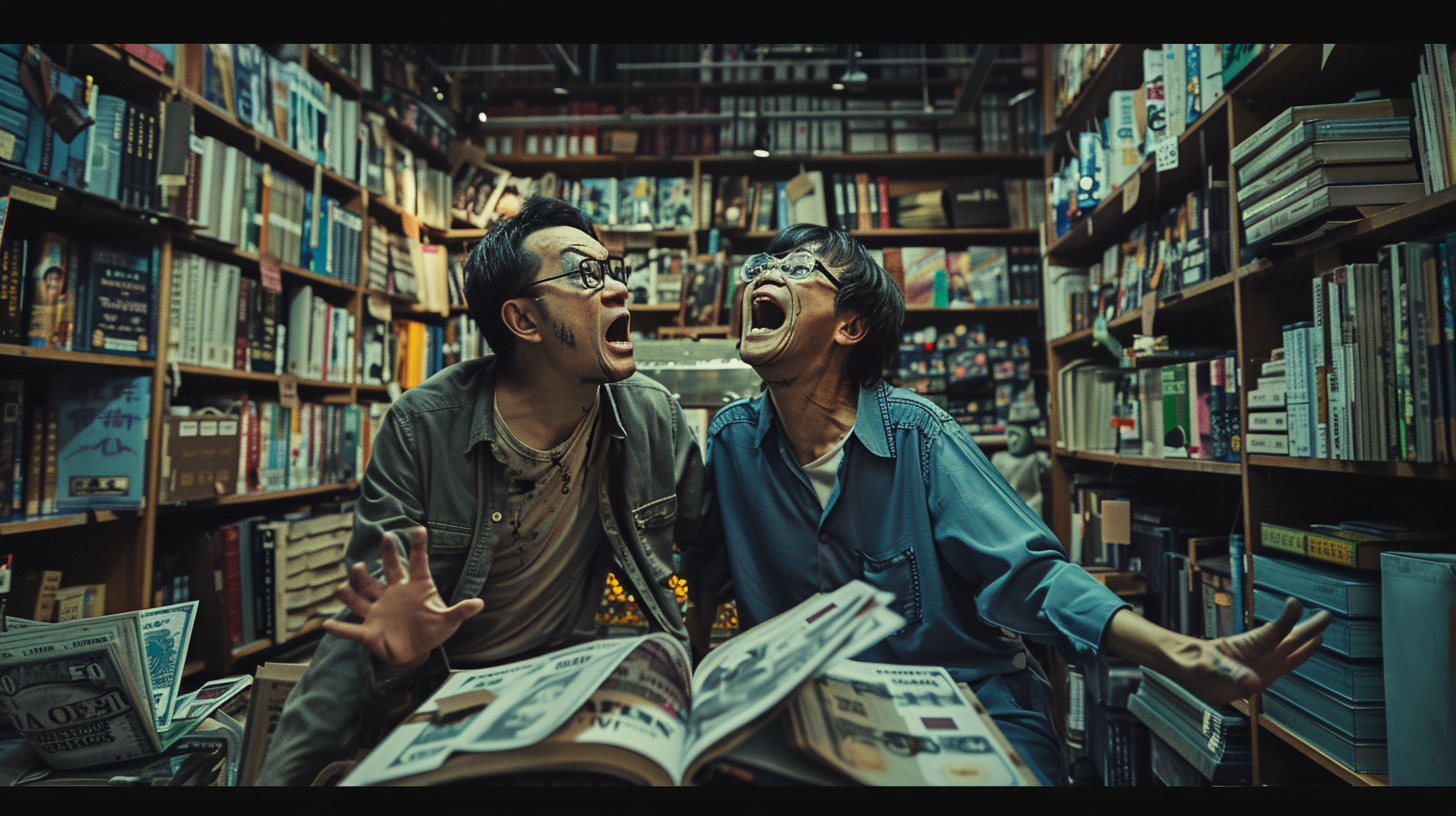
column 1407, row 470
column 31, row 524
column 75, row 357
column 267, row 496
column 1193, row 465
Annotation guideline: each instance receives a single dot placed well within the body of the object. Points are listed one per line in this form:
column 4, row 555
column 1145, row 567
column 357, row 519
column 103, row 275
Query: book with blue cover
column 101, row 440
column 1360, row 756
column 1356, row 681
column 1356, row 721
column 1341, row 591
column 1358, row 638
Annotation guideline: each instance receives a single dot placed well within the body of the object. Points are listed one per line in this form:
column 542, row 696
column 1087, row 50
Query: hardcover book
column 101, row 439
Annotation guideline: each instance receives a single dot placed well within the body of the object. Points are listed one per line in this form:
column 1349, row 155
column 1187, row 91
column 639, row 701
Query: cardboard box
column 1418, row 630
column 619, row 141
column 199, row 456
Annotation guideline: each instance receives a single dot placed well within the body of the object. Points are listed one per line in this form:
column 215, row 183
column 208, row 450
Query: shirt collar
column 871, row 420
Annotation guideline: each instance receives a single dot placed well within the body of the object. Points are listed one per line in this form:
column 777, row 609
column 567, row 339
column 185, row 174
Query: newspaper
column 639, row 694
column 886, row 724
column 97, row 690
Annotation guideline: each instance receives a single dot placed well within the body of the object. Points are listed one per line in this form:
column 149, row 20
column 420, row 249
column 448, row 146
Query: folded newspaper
column 107, row 689
column 634, row 710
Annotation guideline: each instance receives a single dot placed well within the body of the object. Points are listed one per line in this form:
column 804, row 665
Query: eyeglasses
column 593, row 273
column 796, row 264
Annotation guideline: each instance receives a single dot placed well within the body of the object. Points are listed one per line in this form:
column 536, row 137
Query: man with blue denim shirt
column 831, row 474
column 518, row 481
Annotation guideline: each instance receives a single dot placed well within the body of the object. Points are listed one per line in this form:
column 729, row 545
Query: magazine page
column 757, row 669
column 194, row 707
column 641, row 707
column 527, row 700
column 77, row 700
column 889, row 724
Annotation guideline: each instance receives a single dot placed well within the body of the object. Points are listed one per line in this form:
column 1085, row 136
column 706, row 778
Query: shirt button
column 1019, row 660
column 496, row 516
column 823, row 538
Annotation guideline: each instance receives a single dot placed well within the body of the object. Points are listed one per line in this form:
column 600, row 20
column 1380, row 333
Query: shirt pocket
column 448, row 546
column 654, row 524
column 897, row 572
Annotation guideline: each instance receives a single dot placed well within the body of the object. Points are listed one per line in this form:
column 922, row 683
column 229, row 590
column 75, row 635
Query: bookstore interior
column 1193, row 302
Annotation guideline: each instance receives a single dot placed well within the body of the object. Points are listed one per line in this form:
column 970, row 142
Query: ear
column 521, row 319
column 851, row 328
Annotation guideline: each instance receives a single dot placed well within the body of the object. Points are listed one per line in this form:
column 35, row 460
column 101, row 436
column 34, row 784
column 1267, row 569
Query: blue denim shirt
column 917, row 509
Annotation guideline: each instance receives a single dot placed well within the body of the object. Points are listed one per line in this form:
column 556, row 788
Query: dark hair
column 498, row 266
column 864, row 287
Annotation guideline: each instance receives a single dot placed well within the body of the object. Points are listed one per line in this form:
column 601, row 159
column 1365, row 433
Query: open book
column 634, row 710
column 100, row 690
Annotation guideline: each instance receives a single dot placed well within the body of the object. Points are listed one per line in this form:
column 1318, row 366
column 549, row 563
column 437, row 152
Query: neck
column 540, row 408
column 815, row 410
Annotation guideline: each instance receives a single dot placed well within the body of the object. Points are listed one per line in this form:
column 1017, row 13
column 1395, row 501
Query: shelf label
column 269, row 270
column 1130, row 189
column 1167, row 153
column 288, row 391
column 34, row 197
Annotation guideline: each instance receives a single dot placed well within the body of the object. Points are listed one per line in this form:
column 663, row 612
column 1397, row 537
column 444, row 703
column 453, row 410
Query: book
column 1330, row 202
column 46, row 292
column 133, row 673
column 1365, row 757
column 1257, row 207
column 976, row 201
column 1350, row 638
column 117, row 299
column 12, row 440
column 1358, row 161
column 1356, row 721
column 1393, row 127
column 1281, row 124
column 633, row 709
column 271, row 684
column 1341, row 591
column 1215, row 763
column 101, row 443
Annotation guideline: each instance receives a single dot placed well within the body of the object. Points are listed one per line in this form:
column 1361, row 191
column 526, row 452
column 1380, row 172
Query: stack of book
column 1334, row 701
column 1117, row 743
column 1312, row 166
column 1192, row 742
column 1268, row 431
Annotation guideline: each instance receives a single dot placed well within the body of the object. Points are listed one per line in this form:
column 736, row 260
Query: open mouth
column 619, row 333
column 767, row 313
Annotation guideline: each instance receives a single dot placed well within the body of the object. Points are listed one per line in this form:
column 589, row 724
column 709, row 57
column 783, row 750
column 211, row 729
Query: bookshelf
column 1242, row 307
column 135, row 552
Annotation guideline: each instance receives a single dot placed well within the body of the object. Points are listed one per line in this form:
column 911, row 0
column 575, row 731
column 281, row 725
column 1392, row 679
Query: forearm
column 1133, row 637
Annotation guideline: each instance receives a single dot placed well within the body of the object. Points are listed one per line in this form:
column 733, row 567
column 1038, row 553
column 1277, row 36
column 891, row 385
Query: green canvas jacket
column 430, row 465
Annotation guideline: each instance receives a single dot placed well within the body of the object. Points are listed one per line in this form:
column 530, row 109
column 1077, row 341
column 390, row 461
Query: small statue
column 1025, row 468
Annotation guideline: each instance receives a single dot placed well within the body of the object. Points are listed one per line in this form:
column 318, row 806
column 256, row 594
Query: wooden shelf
column 31, row 524
column 75, row 357
column 1401, row 470
column 266, row 496
column 1193, row 465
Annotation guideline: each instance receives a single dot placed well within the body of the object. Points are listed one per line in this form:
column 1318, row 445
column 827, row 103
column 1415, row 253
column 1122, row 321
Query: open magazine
column 632, row 708
column 106, row 689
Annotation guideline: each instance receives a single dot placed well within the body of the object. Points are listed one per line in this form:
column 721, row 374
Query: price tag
column 409, row 226
column 1167, row 154
column 1150, row 306
column 269, row 270
column 288, row 391
column 1130, row 190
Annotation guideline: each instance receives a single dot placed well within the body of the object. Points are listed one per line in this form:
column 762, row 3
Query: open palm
column 404, row 618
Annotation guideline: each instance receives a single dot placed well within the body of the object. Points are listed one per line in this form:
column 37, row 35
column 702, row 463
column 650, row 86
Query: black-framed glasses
column 796, row 264
column 593, row 273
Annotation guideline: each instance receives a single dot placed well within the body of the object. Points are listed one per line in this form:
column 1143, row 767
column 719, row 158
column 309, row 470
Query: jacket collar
column 871, row 420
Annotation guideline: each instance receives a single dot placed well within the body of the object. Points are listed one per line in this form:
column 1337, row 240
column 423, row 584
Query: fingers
column 362, row 582
column 347, row 631
column 389, row 555
column 419, row 558
column 356, row 603
column 467, row 608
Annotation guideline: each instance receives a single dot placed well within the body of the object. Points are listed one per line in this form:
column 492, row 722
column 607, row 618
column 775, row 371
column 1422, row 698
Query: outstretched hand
column 1248, row 662
column 1223, row 669
column 405, row 617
